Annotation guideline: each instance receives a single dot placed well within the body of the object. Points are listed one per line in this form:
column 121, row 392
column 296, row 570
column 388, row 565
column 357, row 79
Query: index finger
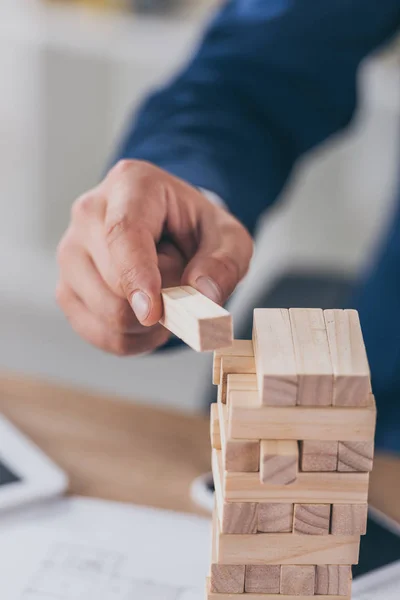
column 134, row 222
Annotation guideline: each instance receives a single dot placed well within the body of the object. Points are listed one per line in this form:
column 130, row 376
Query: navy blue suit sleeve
column 271, row 80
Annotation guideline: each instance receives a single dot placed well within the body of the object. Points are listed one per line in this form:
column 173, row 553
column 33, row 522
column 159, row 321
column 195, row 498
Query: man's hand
column 142, row 229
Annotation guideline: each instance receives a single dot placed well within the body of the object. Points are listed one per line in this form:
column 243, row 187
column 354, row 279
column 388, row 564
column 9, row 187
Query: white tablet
column 26, row 473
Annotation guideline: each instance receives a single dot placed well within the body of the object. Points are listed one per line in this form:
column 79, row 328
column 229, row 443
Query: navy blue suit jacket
column 271, row 80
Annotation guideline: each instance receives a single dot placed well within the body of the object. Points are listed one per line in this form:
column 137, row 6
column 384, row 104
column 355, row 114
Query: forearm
column 267, row 85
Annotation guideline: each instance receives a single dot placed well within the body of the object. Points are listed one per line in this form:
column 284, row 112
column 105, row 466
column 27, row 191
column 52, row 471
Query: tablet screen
column 7, row 475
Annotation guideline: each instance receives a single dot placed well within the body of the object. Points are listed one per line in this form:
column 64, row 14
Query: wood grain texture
column 312, row 519
column 287, row 549
column 262, row 579
column 196, row 319
column 231, row 365
column 356, row 456
column 349, row 519
column 333, row 580
column 275, row 518
column 212, row 596
column 352, row 384
column 279, row 460
column 126, row 450
column 274, row 356
column 224, row 578
column 309, row 488
column 297, row 580
column 215, row 433
column 238, row 348
column 238, row 455
column 239, row 517
column 228, row 579
column 242, row 383
column 313, row 361
column 318, row 456
column 248, row 420
column 234, row 517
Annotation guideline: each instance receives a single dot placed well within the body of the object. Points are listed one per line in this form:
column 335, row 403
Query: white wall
column 68, row 82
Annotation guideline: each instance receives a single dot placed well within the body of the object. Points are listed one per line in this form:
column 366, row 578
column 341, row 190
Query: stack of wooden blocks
column 292, row 436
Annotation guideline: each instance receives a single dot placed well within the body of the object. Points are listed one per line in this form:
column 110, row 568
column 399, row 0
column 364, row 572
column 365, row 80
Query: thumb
column 221, row 262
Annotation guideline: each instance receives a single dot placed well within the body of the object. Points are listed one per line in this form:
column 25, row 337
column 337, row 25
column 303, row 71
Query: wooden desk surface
column 115, row 450
column 111, row 449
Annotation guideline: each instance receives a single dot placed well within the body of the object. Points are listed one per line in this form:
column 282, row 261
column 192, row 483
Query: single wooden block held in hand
column 349, row 519
column 239, row 517
column 352, row 384
column 196, row 319
column 298, row 580
column 318, row 456
column 333, row 580
column 274, row 356
column 215, row 433
column 239, row 456
column 228, row 579
column 356, row 456
column 238, row 348
column 313, row 360
column 262, row 579
column 279, row 460
column 312, row 519
column 275, row 518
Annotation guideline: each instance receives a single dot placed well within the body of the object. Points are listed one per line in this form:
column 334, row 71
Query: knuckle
column 128, row 278
column 116, row 227
column 123, row 166
column 83, row 207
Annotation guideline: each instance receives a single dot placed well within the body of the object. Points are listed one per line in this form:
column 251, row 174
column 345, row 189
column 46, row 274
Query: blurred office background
column 71, row 73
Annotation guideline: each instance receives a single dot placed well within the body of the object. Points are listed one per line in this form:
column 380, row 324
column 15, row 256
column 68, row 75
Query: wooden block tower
column 292, row 437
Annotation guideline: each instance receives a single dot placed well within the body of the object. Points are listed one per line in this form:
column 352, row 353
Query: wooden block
column 313, row 361
column 274, row 355
column 262, row 579
column 312, row 519
column 279, row 460
column 349, row 519
column 238, row 455
column 242, row 383
column 333, row 580
column 228, row 579
column 224, row 578
column 318, row 456
column 248, row 420
column 238, row 348
column 356, row 456
column 239, row 517
column 297, row 580
column 235, row 517
column 231, row 365
column 352, row 384
column 215, row 434
column 212, row 596
column 309, row 488
column 287, row 549
column 196, row 319
column 275, row 518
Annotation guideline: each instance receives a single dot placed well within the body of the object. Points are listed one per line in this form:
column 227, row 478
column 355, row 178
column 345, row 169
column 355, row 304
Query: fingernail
column 141, row 305
column 209, row 288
